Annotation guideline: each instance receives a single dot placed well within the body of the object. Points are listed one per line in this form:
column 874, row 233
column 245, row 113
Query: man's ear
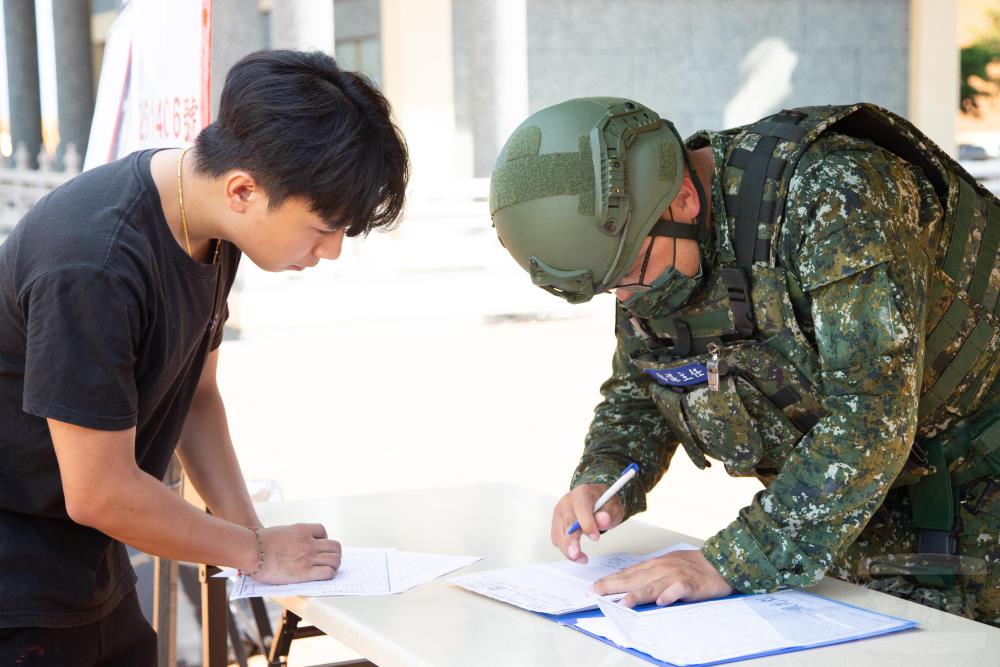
column 242, row 191
column 686, row 204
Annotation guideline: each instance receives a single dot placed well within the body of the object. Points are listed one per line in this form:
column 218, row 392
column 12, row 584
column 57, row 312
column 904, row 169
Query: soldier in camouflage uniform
column 799, row 302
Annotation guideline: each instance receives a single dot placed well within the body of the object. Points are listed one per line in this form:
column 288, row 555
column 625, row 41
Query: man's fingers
column 557, row 532
column 604, row 521
column 682, row 575
column 672, row 593
column 321, row 572
column 615, row 583
column 329, row 546
column 567, row 543
column 625, row 580
column 328, row 559
column 574, row 552
column 316, row 530
column 570, row 542
column 640, row 595
column 615, row 510
column 583, row 511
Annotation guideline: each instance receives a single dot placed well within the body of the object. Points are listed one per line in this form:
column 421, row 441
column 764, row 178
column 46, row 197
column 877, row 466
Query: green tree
column 976, row 82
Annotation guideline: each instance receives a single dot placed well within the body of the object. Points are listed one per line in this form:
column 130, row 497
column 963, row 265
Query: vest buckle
column 740, row 303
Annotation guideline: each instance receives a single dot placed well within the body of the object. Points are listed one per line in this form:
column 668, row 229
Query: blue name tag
column 682, row 376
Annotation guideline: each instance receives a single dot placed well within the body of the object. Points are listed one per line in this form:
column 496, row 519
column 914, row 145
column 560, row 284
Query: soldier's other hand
column 578, row 505
column 300, row 552
column 679, row 575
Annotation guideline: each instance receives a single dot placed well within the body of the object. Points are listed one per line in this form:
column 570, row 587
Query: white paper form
column 362, row 571
column 718, row 630
column 560, row 587
column 408, row 568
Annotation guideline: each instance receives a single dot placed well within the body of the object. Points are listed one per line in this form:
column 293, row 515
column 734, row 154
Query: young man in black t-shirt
column 112, row 301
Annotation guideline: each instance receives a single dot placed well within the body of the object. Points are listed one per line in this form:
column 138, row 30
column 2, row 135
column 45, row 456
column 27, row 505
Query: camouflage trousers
column 975, row 591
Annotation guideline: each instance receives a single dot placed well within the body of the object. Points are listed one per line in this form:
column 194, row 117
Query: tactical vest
column 767, row 396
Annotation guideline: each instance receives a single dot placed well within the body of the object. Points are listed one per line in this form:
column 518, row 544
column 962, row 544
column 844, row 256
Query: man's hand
column 679, row 575
column 300, row 552
column 578, row 505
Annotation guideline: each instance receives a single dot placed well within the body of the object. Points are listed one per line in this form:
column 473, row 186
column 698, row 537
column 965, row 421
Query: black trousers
column 121, row 639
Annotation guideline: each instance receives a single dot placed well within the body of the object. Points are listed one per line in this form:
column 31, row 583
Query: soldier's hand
column 578, row 505
column 679, row 575
column 300, row 552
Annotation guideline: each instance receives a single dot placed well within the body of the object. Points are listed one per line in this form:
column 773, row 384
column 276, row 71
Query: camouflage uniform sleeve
column 627, row 428
column 863, row 265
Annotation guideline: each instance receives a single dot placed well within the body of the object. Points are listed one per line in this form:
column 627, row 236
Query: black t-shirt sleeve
column 83, row 331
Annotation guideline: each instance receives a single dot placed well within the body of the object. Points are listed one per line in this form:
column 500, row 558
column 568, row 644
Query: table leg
column 288, row 629
column 237, row 641
column 214, row 621
column 165, row 575
column 282, row 642
column 265, row 634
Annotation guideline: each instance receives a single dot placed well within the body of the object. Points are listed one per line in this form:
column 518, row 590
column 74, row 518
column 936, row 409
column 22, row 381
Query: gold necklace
column 180, row 202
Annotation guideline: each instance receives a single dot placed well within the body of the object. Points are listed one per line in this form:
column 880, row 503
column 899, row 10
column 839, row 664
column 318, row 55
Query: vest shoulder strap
column 963, row 324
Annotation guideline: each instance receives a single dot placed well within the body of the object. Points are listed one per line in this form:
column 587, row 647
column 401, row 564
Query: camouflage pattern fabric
column 975, row 593
column 855, row 248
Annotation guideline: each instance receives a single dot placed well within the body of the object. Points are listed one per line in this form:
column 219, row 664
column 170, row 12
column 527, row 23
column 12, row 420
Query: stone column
column 417, row 77
column 75, row 87
column 305, row 25
column 511, row 80
column 236, row 31
column 491, row 78
column 22, row 76
column 934, row 70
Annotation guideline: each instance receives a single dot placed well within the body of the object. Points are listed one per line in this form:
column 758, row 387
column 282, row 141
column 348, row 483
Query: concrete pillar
column 491, row 79
column 22, row 76
column 305, row 25
column 511, row 80
column 934, row 69
column 236, row 31
column 75, row 87
column 417, row 77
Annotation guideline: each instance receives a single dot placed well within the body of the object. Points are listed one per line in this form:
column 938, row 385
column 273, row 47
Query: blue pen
column 631, row 471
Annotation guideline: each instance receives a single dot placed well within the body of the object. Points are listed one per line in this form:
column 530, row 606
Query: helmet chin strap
column 678, row 230
column 655, row 234
column 670, row 228
column 701, row 219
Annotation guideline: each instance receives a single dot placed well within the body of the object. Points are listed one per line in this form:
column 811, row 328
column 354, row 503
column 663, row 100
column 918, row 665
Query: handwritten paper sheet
column 363, row 571
column 559, row 587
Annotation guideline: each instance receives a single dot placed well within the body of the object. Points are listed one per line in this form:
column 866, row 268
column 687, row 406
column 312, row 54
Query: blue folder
column 569, row 620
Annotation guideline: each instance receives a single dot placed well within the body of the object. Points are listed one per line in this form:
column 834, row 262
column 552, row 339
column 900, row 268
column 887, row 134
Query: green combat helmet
column 579, row 185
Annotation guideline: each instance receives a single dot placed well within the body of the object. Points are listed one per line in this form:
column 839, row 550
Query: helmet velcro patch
column 608, row 102
column 526, row 142
column 667, row 153
column 526, row 175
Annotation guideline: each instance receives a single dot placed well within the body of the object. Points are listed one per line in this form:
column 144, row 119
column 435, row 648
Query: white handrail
column 21, row 186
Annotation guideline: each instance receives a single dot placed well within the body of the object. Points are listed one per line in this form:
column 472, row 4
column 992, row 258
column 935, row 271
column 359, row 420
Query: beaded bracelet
column 260, row 551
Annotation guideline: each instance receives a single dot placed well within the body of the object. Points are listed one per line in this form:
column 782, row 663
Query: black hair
column 302, row 127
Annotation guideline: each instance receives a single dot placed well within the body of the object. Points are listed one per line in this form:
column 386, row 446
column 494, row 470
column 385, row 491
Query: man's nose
column 330, row 245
